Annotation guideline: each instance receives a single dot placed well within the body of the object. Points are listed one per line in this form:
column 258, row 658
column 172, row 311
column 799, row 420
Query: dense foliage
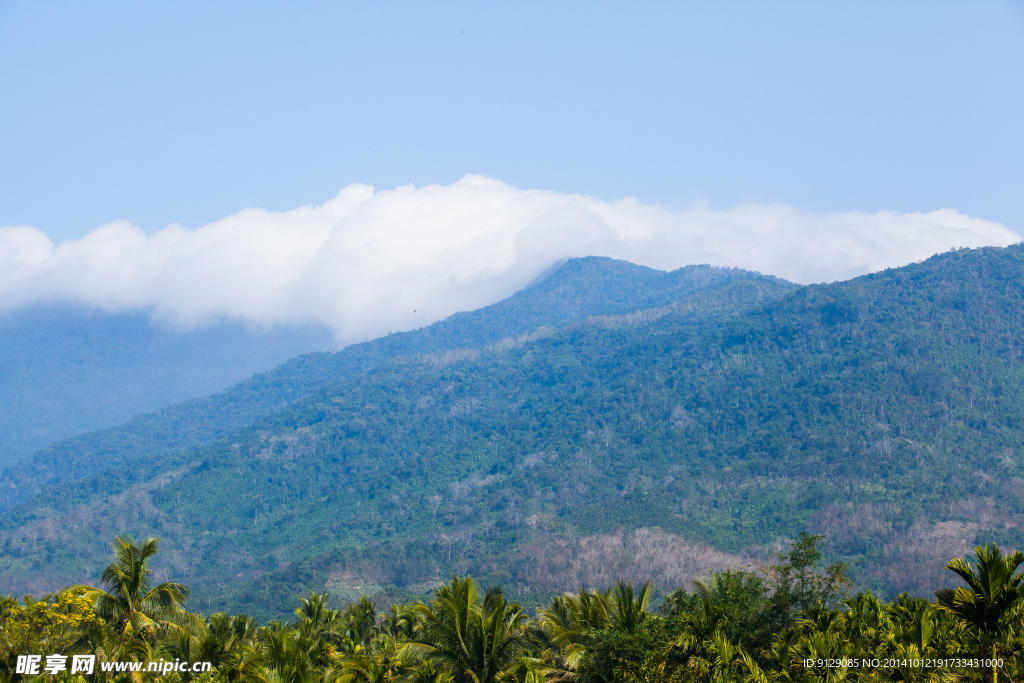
column 791, row 622
column 885, row 412
column 578, row 289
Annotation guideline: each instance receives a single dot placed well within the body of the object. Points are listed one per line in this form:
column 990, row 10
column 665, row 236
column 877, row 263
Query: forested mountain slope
column 886, row 412
column 577, row 289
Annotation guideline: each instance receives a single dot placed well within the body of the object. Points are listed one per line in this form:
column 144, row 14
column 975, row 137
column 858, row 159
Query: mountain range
column 609, row 421
column 571, row 291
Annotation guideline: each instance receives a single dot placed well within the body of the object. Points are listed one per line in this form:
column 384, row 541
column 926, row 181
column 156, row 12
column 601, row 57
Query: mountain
column 577, row 289
column 885, row 412
column 66, row 370
column 55, row 535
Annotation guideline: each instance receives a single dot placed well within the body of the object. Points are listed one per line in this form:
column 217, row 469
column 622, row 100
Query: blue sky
column 187, row 112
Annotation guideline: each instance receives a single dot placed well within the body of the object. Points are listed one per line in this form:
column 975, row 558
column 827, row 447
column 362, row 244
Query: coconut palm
column 130, row 603
column 558, row 634
column 992, row 591
column 568, row 617
column 383, row 665
column 628, row 609
column 474, row 641
column 221, row 642
column 727, row 663
column 400, row 622
column 426, row 673
column 358, row 624
column 315, row 612
column 285, row 657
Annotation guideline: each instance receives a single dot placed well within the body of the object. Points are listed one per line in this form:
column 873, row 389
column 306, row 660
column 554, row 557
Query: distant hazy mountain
column 66, row 371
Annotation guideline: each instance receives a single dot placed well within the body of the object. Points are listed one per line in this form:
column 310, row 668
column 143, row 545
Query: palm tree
column 476, row 642
column 569, row 617
column 400, row 623
column 700, row 628
column 383, row 665
column 222, row 642
column 864, row 619
column 315, row 612
column 727, row 663
column 285, row 659
column 428, row 674
column 129, row 602
column 627, row 611
column 358, row 624
column 994, row 589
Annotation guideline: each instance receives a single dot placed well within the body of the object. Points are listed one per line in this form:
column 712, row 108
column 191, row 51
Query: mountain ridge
column 576, row 289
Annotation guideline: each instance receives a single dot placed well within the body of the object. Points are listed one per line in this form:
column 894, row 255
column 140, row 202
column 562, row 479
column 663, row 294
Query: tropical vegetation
column 793, row 620
column 886, row 412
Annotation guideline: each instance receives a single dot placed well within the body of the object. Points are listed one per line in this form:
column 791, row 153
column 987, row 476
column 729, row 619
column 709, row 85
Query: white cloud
column 363, row 262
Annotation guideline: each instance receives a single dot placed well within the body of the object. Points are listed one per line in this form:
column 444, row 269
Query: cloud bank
column 367, row 263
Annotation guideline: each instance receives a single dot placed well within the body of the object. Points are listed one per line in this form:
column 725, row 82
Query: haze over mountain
column 885, row 411
column 68, row 371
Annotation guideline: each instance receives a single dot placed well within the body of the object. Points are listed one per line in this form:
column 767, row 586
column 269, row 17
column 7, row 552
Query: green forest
column 884, row 413
column 696, row 435
column 579, row 289
column 793, row 619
